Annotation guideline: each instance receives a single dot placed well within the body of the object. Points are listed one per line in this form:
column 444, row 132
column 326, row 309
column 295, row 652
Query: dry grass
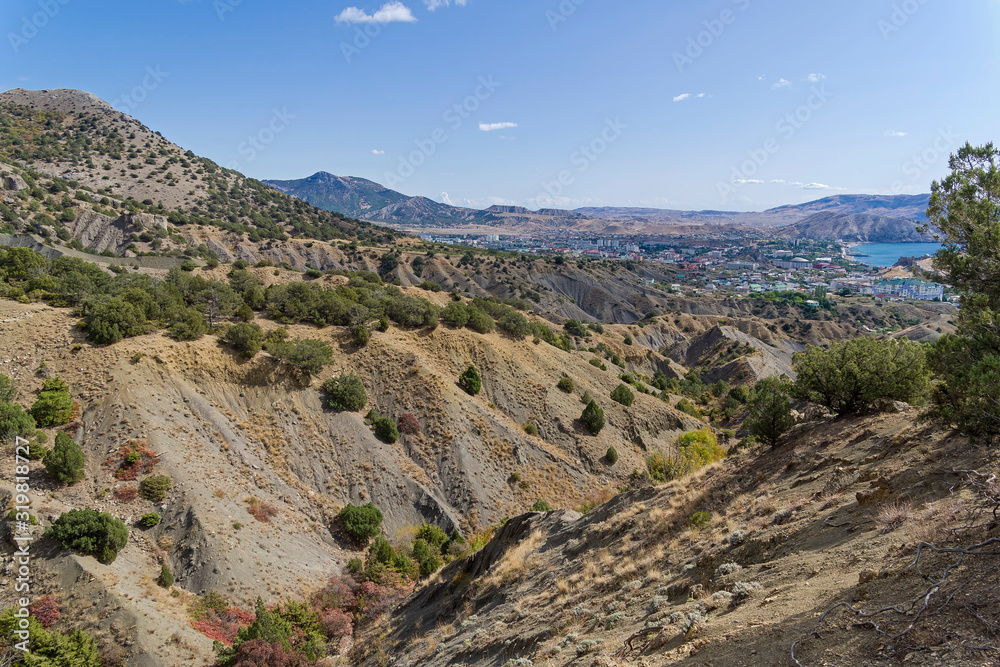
column 891, row 516
column 516, row 562
column 935, row 522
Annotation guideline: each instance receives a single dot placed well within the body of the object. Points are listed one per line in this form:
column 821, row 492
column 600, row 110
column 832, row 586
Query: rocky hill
column 861, row 227
column 69, row 157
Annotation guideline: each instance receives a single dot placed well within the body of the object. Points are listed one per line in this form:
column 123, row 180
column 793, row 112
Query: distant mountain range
column 883, row 218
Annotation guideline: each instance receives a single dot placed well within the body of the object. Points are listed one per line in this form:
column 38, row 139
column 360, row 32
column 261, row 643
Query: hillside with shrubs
column 266, row 435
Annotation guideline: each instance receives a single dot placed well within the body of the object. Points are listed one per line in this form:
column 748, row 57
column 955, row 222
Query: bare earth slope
column 833, row 516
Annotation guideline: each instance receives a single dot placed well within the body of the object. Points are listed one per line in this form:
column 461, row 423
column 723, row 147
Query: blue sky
column 730, row 104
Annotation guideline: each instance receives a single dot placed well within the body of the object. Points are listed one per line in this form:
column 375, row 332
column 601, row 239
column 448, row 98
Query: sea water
column 887, row 254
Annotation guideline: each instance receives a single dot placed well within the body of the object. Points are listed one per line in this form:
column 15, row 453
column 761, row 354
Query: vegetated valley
column 266, row 434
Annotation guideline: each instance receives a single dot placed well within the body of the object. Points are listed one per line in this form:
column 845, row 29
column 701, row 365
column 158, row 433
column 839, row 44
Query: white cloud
column 688, row 96
column 782, row 83
column 746, row 181
column 391, row 12
column 376, row 151
column 492, row 127
column 446, row 199
column 806, row 186
column 437, row 4
column 815, row 78
column 895, row 133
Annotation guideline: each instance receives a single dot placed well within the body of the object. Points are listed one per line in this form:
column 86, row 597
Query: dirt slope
column 834, row 515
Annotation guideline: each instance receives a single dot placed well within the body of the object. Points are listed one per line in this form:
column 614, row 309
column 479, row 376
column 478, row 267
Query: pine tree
column 593, row 418
column 470, row 381
column 65, row 461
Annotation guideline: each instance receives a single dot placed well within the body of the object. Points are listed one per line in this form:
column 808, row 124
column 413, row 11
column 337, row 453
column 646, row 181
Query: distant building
column 795, row 264
column 742, row 266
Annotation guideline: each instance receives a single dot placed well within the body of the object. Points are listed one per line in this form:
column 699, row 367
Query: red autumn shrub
column 126, row 493
column 337, row 624
column 46, row 610
column 374, row 600
column 259, row 653
column 337, row 594
column 409, row 424
column 262, row 511
column 132, row 459
column 219, row 622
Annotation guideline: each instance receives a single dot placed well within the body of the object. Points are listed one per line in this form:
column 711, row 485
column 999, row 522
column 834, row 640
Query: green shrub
column 856, row 375
column 155, row 487
column 307, row 355
column 968, row 395
column 8, row 392
column 575, row 328
column 433, row 535
column 566, row 385
column 110, row 320
column 75, row 648
column 700, row 519
column 770, row 413
column 741, row 394
column 479, row 321
column 355, row 565
column 54, row 406
column 166, row 578
column 470, row 382
column 149, row 519
column 361, row 335
column 345, row 393
column 628, row 341
column 611, row 456
column 688, row 408
column 14, row 422
column 385, row 430
column 430, row 286
column 247, row 338
column 65, row 460
column 361, row 523
column 541, row 506
column 530, row 429
column 593, row 418
column 622, row 394
column 597, row 363
column 455, row 315
column 90, row 532
column 695, row 449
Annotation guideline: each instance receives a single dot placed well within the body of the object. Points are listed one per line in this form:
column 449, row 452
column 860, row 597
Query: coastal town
column 735, row 263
